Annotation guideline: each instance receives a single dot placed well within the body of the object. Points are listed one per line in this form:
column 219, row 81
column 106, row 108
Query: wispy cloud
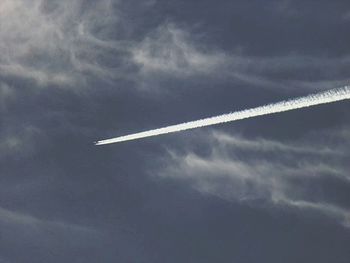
column 266, row 145
column 55, row 42
column 286, row 174
column 67, row 43
column 6, row 94
column 23, row 220
column 19, row 142
column 170, row 50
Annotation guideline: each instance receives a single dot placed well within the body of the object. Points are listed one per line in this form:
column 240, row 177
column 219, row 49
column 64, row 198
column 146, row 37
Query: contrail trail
column 287, row 105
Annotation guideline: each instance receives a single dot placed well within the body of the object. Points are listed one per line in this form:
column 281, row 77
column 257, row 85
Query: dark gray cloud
column 270, row 189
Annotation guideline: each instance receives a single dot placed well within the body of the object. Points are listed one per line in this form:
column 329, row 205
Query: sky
column 269, row 189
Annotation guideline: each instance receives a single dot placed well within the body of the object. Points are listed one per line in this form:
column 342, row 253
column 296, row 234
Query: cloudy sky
column 268, row 189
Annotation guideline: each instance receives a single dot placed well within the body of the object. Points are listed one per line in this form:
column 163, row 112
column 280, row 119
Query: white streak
column 293, row 104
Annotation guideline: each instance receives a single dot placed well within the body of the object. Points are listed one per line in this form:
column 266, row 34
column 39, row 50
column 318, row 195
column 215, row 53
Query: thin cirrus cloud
column 247, row 170
column 55, row 41
column 6, row 94
column 171, row 51
column 15, row 218
column 65, row 43
column 20, row 140
column 22, row 231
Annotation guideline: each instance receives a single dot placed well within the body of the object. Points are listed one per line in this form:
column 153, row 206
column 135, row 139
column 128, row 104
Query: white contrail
column 287, row 105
